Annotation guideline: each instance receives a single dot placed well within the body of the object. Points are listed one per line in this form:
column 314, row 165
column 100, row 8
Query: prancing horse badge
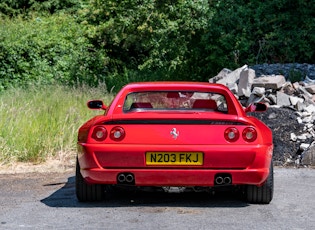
column 174, row 133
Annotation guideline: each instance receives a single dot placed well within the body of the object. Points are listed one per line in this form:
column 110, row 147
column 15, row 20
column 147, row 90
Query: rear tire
column 87, row 192
column 262, row 194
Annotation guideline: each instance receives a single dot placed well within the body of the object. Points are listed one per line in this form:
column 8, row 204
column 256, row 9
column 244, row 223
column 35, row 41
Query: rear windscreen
column 175, row 100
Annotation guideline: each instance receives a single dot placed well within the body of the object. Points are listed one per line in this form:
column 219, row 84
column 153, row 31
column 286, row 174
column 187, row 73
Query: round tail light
column 99, row 133
column 231, row 134
column 249, row 134
column 117, row 133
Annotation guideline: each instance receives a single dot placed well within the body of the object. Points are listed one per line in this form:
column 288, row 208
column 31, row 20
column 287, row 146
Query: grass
column 40, row 123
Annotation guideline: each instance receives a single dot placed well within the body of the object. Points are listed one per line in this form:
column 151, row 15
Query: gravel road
column 47, row 201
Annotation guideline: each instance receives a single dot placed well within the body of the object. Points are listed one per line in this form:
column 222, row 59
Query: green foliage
column 148, row 36
column 17, row 7
column 251, row 32
column 295, row 76
column 40, row 51
column 90, row 42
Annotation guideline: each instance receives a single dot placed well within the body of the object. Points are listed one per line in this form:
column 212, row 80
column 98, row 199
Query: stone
column 254, row 99
column 222, row 74
column 310, row 89
column 233, row 87
column 269, row 82
column 245, row 82
column 293, row 137
column 302, row 137
column 288, row 88
column 310, row 109
column 272, row 116
column 296, row 85
column 272, row 98
column 305, row 93
column 308, row 156
column 307, row 119
column 300, row 106
column 299, row 120
column 232, row 77
column 304, row 146
column 294, row 100
column 259, row 91
column 283, row 99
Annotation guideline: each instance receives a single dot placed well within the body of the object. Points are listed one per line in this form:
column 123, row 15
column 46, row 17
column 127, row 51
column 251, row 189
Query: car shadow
column 65, row 197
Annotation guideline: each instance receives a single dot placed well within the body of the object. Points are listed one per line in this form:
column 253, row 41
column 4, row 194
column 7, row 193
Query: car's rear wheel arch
column 261, row 194
column 87, row 192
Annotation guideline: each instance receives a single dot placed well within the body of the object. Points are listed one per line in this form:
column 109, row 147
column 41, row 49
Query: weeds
column 37, row 123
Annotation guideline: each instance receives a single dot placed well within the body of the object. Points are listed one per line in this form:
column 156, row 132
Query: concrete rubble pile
column 276, row 91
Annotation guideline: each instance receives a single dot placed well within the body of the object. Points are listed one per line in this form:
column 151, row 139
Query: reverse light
column 231, row 134
column 117, row 133
column 99, row 133
column 249, row 134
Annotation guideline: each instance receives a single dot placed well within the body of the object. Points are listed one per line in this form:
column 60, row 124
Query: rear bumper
column 245, row 164
column 176, row 177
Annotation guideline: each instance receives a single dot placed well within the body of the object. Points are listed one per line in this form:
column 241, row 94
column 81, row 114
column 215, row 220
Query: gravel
column 282, row 122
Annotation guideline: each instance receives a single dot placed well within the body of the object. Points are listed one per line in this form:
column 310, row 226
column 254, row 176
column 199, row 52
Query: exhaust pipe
column 129, row 178
column 121, row 178
column 126, row 178
column 223, row 179
column 227, row 180
column 219, row 180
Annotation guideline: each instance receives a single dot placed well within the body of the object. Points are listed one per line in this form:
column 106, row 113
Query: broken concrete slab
column 305, row 92
column 283, row 99
column 232, row 77
column 269, row 82
column 294, row 100
column 310, row 109
column 245, row 82
column 310, row 89
column 233, row 87
column 288, row 88
column 259, row 91
column 222, row 74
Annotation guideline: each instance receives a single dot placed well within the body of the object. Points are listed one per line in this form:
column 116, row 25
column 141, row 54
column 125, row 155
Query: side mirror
column 96, row 104
column 256, row 107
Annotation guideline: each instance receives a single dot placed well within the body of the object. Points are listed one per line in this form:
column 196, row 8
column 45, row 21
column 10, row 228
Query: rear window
column 174, row 100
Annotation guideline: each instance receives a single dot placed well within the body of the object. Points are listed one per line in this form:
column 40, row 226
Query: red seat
column 205, row 104
column 142, row 105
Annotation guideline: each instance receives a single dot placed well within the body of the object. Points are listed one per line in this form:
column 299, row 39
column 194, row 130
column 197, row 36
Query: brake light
column 249, row 134
column 117, row 133
column 99, row 133
column 231, row 134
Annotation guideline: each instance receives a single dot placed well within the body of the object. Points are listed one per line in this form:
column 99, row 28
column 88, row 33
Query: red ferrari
column 175, row 135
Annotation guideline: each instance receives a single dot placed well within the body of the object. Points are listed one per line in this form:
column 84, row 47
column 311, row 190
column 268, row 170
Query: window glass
column 174, row 100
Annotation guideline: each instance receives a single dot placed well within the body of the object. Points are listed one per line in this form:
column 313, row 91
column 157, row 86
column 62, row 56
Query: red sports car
column 175, row 135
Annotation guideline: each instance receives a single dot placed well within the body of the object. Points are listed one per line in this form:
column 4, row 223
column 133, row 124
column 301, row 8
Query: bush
column 13, row 8
column 148, row 38
column 40, row 51
column 252, row 32
column 97, row 41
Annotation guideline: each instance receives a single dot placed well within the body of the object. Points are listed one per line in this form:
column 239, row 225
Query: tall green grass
column 38, row 123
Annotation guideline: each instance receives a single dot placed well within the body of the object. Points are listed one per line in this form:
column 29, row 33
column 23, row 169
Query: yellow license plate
column 174, row 158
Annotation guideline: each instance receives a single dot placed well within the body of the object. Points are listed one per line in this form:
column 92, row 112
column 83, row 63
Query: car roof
column 234, row 107
column 175, row 85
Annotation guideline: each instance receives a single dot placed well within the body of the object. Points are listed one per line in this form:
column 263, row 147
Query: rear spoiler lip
column 174, row 122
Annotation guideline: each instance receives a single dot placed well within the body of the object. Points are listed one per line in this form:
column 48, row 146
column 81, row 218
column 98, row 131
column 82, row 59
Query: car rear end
column 178, row 139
